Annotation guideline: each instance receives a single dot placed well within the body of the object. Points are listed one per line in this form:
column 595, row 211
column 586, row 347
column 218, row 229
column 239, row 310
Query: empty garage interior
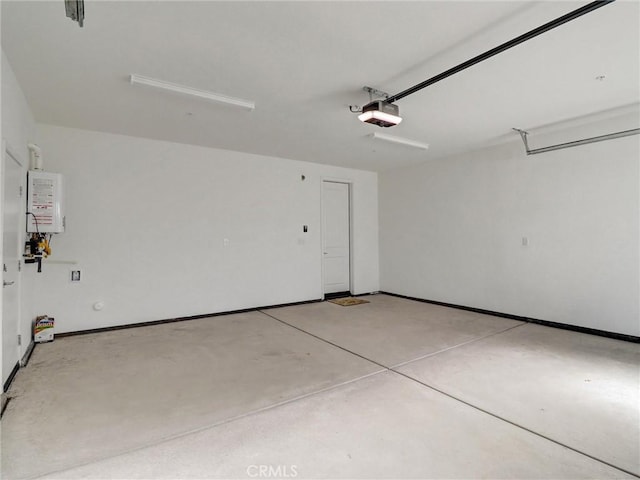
column 219, row 190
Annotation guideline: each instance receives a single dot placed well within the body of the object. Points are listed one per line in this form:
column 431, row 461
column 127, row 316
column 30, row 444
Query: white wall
column 451, row 230
column 18, row 129
column 18, row 125
column 146, row 222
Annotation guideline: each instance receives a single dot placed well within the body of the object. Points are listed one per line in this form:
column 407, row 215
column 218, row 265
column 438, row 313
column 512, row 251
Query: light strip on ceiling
column 400, row 141
column 194, row 92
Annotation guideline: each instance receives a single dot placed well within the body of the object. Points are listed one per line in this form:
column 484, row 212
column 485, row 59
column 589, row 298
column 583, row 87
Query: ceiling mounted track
column 501, row 48
column 576, row 143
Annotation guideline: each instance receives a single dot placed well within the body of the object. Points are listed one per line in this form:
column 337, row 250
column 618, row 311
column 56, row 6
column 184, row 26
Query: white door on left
column 336, row 237
column 12, row 179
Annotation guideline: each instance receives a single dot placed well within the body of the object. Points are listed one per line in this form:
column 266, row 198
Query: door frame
column 8, row 153
column 350, row 183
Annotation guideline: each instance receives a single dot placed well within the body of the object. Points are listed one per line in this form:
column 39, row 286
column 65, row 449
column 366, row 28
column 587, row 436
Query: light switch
column 225, row 242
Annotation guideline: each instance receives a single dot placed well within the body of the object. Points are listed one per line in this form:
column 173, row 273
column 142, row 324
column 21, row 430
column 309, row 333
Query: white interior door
column 336, row 237
column 12, row 177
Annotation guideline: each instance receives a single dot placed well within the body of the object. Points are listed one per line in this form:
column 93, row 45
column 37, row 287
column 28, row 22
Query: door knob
column 7, row 284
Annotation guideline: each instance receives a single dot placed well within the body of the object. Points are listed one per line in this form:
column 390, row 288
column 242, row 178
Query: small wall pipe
column 36, row 156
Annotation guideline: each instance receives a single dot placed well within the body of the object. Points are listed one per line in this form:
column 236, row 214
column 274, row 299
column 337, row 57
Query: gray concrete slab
column 581, row 390
column 392, row 330
column 86, row 397
column 384, row 426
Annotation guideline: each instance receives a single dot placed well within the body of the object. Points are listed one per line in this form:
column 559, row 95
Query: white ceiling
column 304, row 62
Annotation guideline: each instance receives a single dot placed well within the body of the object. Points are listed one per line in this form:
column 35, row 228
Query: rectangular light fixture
column 400, row 141
column 380, row 113
column 194, row 92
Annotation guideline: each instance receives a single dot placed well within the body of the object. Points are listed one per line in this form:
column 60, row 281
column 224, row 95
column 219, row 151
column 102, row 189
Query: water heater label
column 45, row 202
column 42, row 198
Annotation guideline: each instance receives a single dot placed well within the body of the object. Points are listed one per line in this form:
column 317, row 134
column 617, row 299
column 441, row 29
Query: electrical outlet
column 76, row 275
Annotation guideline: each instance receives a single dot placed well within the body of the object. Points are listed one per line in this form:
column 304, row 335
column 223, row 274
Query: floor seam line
column 510, row 422
column 326, row 341
column 457, row 346
column 211, row 426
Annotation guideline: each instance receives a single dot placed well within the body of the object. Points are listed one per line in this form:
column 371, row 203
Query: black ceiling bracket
column 523, row 135
column 375, row 93
column 75, row 10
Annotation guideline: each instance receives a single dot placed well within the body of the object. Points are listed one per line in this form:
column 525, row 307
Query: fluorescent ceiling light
column 194, row 92
column 399, row 140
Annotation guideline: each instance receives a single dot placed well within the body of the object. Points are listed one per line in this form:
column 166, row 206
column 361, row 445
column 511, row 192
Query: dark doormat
column 349, row 301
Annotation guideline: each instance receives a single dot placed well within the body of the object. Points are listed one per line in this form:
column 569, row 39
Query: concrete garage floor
column 390, row 389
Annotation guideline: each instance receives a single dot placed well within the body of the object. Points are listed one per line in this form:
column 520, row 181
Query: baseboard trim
column 4, row 401
column 180, row 319
column 590, row 331
column 547, row 323
column 27, row 355
column 12, row 375
column 563, row 326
